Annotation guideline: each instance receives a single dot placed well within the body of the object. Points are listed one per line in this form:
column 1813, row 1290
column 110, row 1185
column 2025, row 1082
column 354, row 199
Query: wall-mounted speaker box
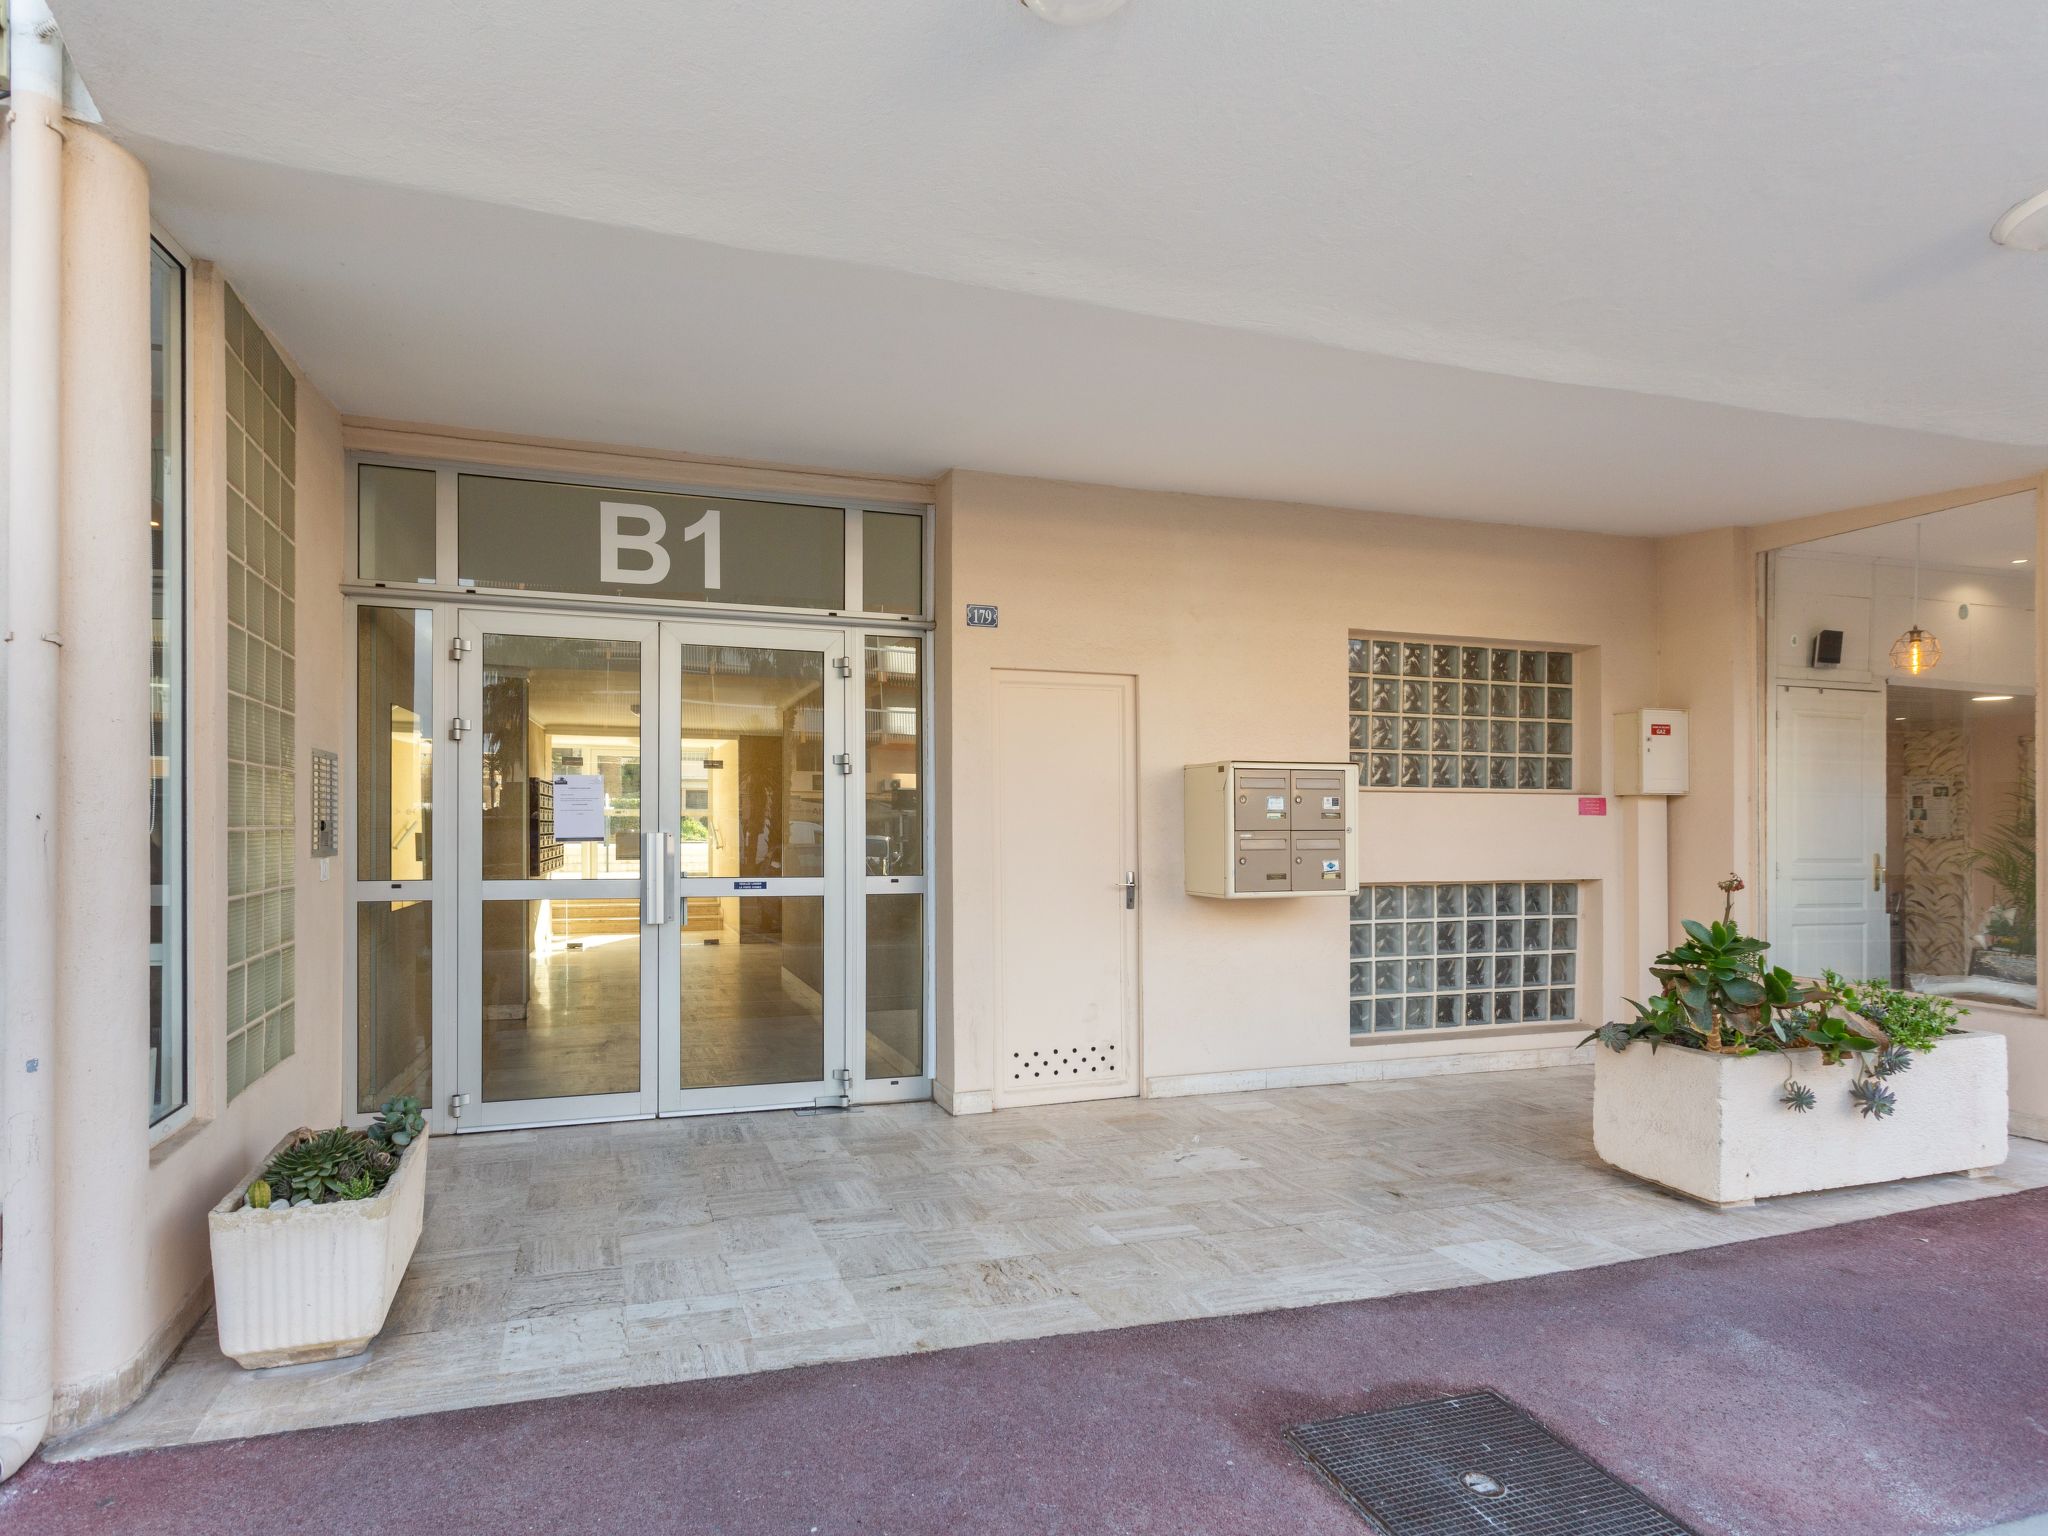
column 1827, row 648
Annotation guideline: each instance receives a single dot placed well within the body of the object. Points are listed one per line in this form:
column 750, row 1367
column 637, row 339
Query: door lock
column 1130, row 890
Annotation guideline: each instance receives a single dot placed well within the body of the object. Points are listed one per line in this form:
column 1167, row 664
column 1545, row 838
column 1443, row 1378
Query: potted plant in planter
column 308, row 1254
column 1738, row 1081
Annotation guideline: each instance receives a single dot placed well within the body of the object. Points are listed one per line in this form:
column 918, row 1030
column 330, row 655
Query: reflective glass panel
column 395, row 524
column 544, row 536
column 753, row 757
column 394, row 1000
column 554, row 707
column 892, row 563
column 894, row 710
column 753, row 1008
column 895, row 992
column 561, row 998
column 394, row 751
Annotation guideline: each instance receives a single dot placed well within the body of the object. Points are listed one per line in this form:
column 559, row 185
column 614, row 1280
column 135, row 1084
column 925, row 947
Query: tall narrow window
column 167, row 1077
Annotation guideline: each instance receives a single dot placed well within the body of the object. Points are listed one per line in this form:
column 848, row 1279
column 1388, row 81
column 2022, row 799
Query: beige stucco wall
column 1233, row 616
column 132, row 1259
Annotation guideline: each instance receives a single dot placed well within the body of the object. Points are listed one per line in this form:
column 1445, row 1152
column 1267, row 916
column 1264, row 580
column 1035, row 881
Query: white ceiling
column 1641, row 266
column 1984, row 536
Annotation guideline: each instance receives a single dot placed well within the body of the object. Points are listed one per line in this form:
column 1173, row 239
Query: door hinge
column 843, row 665
column 458, row 648
column 455, row 1103
column 844, row 760
column 843, row 1099
column 457, row 728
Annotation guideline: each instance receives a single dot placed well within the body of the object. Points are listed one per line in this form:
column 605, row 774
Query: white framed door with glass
column 669, row 904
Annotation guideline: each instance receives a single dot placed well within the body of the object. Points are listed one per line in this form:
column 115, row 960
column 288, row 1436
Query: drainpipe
column 27, row 1038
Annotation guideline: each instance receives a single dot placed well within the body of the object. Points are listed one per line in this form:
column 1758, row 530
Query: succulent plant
column 258, row 1196
column 1873, row 1100
column 1798, row 1097
column 325, row 1166
column 400, row 1123
column 1892, row 1060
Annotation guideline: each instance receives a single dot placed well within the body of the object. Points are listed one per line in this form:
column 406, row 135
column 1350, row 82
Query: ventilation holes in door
column 1063, row 1064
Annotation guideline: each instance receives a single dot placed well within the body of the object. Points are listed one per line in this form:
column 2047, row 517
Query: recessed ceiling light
column 1990, row 698
column 2024, row 226
column 2021, row 561
column 1072, row 13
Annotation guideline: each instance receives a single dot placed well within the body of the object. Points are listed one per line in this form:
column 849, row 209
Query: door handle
column 1877, row 871
column 654, row 881
column 1130, row 890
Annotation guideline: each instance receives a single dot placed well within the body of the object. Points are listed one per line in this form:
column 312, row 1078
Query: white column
column 27, row 1051
column 103, row 1319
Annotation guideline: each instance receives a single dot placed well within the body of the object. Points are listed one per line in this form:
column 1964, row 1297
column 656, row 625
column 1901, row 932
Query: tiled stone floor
column 573, row 1260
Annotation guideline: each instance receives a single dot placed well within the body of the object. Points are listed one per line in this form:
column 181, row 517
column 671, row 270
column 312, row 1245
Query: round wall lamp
column 2024, row 226
column 1072, row 13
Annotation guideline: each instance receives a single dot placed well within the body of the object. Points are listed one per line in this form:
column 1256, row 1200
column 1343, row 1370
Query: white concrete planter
column 299, row 1283
column 1712, row 1126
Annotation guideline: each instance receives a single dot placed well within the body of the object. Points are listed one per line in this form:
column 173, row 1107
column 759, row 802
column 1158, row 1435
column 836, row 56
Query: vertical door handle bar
column 654, row 883
column 1130, row 890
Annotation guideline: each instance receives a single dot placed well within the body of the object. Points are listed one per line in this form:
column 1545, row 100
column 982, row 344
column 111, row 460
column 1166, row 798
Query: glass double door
column 654, row 868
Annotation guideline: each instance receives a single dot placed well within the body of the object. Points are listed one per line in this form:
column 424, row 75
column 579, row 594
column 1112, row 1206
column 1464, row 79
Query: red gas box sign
column 1592, row 805
column 1660, row 730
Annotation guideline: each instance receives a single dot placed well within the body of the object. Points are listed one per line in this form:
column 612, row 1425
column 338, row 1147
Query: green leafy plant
column 1718, row 992
column 399, row 1124
column 321, row 1167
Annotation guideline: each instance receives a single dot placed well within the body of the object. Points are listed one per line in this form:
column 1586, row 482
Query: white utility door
column 1064, row 894
column 1827, row 908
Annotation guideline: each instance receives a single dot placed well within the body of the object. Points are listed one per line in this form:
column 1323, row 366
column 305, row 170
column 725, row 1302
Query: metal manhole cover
column 1474, row 1465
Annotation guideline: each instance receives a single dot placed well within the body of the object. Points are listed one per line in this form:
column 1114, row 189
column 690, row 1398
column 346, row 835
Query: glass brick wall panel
column 262, row 460
column 1455, row 956
column 1429, row 714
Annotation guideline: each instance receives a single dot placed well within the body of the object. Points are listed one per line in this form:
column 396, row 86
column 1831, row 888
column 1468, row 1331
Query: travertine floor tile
column 606, row 1256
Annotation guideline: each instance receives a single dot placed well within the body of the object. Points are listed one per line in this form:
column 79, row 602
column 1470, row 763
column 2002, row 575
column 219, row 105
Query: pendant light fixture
column 1916, row 651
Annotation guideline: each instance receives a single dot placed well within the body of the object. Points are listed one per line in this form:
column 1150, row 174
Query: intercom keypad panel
column 1262, row 829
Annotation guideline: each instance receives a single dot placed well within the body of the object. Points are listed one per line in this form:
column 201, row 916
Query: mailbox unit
column 1262, row 829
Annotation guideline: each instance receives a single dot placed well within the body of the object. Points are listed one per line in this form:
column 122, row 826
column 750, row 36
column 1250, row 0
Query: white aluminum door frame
column 836, row 885
column 472, row 624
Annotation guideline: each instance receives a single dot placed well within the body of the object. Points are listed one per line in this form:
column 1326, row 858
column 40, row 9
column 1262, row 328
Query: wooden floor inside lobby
column 573, row 1260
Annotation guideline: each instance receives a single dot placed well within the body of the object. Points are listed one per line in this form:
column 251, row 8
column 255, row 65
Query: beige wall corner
column 1706, row 642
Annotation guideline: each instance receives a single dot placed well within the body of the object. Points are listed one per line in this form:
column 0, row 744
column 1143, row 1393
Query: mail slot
column 1318, row 799
column 1263, row 800
column 1318, row 861
column 1263, row 862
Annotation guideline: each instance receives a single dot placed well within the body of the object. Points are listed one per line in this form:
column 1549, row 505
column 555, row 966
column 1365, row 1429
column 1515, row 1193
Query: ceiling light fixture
column 1916, row 651
column 1072, row 13
column 1990, row 698
column 2021, row 561
column 2024, row 226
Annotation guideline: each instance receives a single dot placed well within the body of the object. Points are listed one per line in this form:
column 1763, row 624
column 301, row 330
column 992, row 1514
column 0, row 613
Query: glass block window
column 262, row 700
column 1458, row 956
column 1431, row 714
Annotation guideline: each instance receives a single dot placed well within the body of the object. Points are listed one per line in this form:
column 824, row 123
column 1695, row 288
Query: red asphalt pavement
column 1886, row 1378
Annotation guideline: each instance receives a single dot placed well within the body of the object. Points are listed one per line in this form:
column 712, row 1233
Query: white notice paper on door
column 579, row 808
